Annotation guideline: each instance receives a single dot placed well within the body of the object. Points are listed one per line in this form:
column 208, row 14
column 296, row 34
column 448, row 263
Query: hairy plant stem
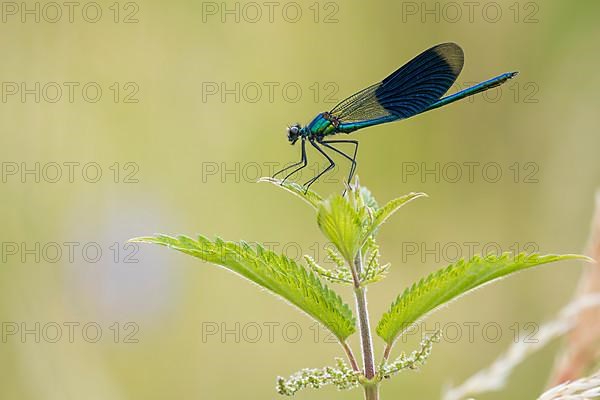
column 386, row 352
column 360, row 294
column 372, row 392
column 350, row 356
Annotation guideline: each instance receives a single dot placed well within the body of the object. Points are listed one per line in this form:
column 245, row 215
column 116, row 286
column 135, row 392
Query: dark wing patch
column 409, row 90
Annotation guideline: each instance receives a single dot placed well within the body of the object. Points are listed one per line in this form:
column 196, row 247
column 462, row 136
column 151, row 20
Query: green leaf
column 368, row 198
column 309, row 196
column 449, row 283
column 385, row 212
column 342, row 224
column 349, row 221
column 276, row 273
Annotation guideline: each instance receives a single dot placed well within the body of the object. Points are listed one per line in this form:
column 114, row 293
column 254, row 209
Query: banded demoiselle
column 413, row 89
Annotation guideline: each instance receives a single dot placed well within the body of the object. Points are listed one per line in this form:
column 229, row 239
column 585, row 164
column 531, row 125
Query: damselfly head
column 294, row 133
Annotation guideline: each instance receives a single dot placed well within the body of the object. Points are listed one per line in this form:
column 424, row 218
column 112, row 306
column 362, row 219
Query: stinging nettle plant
column 351, row 223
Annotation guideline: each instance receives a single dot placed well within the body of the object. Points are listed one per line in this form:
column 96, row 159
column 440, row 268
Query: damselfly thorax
column 323, row 125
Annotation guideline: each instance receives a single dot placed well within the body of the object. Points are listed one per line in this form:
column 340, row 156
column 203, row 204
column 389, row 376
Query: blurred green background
column 176, row 157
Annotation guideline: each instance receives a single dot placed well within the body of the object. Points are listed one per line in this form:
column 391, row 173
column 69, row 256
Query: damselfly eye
column 294, row 130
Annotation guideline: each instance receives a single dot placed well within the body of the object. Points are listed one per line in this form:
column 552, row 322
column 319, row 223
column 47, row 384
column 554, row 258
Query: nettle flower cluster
column 351, row 222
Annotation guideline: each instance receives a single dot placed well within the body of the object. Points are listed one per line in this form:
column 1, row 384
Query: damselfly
column 414, row 88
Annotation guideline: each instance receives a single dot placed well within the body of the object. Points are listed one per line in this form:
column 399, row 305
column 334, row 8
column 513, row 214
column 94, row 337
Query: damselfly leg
column 331, row 165
column 327, row 143
column 302, row 161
